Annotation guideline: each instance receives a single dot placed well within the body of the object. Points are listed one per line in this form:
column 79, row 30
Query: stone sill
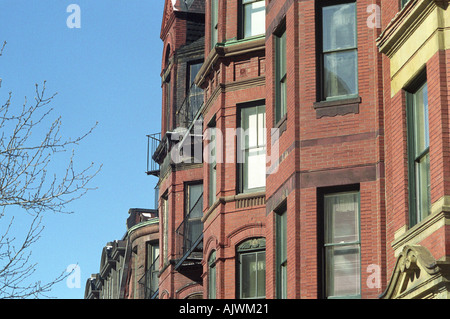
column 439, row 217
column 337, row 107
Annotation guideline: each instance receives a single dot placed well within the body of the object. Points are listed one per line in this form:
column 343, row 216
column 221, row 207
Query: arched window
column 251, row 257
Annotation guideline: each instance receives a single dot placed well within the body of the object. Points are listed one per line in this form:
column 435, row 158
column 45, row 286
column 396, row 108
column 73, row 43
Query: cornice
column 404, row 23
column 228, row 49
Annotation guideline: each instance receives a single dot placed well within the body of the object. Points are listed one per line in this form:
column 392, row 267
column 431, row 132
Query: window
column 281, row 252
column 341, row 249
column 339, row 56
column 252, row 269
column 418, row 154
column 280, row 75
column 151, row 269
column 212, row 276
column 195, row 94
column 214, row 22
column 252, row 157
column 212, row 165
column 403, row 3
column 194, row 213
column 253, row 16
column 152, row 254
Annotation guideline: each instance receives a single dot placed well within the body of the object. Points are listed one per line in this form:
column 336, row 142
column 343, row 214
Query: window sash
column 343, row 269
column 195, row 93
column 281, row 89
column 194, row 213
column 152, row 254
column 281, row 254
column 214, row 22
column 254, row 17
column 403, row 3
column 342, row 244
column 253, row 148
column 252, row 275
column 418, row 154
column 339, row 53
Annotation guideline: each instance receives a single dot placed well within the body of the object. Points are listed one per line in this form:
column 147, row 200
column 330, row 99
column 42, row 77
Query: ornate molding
column 416, row 275
column 241, row 201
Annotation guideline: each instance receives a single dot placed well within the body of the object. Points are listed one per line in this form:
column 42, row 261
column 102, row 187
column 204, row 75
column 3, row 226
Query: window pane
column 194, row 68
column 254, row 126
column 212, row 168
column 343, row 271
column 249, row 125
column 261, row 126
column 423, row 187
column 282, row 50
column 340, row 76
column 248, row 276
column 422, row 136
column 283, row 91
column 254, row 18
column 195, row 192
column 212, row 276
column 342, row 218
column 283, row 286
column 282, row 239
column 253, row 275
column 212, row 282
column 214, row 21
column 281, row 251
column 280, row 110
column 253, row 147
column 261, row 274
column 254, row 168
column 339, row 27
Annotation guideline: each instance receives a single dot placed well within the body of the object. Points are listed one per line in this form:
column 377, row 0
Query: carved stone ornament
column 417, row 275
column 252, row 244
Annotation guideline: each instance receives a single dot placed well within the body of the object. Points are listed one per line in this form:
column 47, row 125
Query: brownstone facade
column 347, row 102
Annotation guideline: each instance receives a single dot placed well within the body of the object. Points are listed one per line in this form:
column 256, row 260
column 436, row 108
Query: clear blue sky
column 106, row 71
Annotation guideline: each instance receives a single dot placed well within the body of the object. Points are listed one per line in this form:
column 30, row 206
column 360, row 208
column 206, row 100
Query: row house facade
column 304, row 149
column 129, row 266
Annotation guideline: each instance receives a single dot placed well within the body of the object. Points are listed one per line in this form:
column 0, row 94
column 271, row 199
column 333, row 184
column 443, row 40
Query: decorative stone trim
column 417, row 275
column 241, row 200
column 439, row 217
column 337, row 107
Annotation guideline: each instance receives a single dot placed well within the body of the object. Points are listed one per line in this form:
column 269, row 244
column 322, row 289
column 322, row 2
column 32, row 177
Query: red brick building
column 288, row 167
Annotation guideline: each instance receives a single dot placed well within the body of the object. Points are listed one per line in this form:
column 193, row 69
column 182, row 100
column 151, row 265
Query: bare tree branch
column 30, row 142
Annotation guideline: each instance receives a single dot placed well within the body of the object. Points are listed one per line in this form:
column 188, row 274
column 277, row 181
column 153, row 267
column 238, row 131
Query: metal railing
column 153, row 141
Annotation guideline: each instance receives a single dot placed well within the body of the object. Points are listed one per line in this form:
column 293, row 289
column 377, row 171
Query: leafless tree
column 29, row 142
